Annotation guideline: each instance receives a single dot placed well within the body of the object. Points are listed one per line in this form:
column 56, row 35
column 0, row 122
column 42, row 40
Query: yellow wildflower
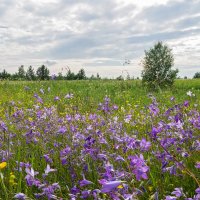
column 3, row 165
column 12, row 179
column 12, row 176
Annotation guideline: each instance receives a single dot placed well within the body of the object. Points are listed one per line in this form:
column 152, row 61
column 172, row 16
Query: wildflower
column 74, row 190
column 30, row 177
column 172, row 98
column 186, row 103
column 85, row 194
column 155, row 131
column 102, row 156
column 115, row 107
column 95, row 193
column 154, row 110
column 62, row 130
column 47, row 158
column 20, row 196
column 63, row 160
column 12, row 179
column 170, row 198
column 178, row 192
column 3, row 126
column 197, row 196
column 85, row 182
column 56, row 98
column 66, row 151
column 128, row 118
column 139, row 166
column 189, row 93
column 197, row 165
column 41, row 91
column 49, row 191
column 69, row 96
column 197, row 190
column 110, row 186
column 144, row 145
column 3, row 165
column 119, row 158
column 39, row 99
column 49, row 169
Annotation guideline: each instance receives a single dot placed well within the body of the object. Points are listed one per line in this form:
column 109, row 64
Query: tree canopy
column 157, row 64
column 197, row 75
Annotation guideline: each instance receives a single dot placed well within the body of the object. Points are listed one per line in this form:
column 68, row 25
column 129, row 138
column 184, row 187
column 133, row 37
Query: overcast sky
column 97, row 35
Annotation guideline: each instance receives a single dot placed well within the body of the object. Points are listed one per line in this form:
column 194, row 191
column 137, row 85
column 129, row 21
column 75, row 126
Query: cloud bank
column 97, row 35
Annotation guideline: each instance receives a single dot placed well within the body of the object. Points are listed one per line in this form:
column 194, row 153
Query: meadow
column 99, row 139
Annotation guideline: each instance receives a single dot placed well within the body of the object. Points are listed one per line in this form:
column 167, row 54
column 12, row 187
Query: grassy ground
column 132, row 99
column 94, row 91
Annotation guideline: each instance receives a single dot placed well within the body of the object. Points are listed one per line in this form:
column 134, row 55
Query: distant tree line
column 42, row 73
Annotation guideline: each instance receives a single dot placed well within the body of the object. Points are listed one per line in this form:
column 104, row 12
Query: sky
column 97, row 35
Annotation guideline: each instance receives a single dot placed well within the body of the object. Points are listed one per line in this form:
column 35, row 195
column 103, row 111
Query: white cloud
column 97, row 35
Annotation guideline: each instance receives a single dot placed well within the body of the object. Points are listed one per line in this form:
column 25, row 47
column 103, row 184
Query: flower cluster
column 60, row 152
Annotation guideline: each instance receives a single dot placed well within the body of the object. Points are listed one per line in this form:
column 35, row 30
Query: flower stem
column 3, row 185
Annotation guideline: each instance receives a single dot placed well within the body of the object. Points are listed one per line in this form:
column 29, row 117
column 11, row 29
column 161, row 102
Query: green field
column 94, row 91
column 144, row 144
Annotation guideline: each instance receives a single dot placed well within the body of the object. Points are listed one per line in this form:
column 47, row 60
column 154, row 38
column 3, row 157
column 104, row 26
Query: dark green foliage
column 60, row 76
column 14, row 77
column 92, row 77
column 128, row 77
column 197, row 75
column 30, row 74
column 95, row 78
column 70, row 75
column 158, row 63
column 5, row 75
column 21, row 73
column 120, row 78
column 98, row 76
column 81, row 75
column 43, row 73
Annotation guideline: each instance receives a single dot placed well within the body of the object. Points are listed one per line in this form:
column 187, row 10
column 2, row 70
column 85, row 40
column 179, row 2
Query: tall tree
column 42, row 73
column 4, row 75
column 81, row 74
column 98, row 76
column 197, row 75
column 21, row 72
column 158, row 63
column 30, row 74
column 70, row 75
column 60, row 76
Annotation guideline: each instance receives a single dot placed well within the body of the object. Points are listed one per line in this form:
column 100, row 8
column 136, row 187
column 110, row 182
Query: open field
column 99, row 140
